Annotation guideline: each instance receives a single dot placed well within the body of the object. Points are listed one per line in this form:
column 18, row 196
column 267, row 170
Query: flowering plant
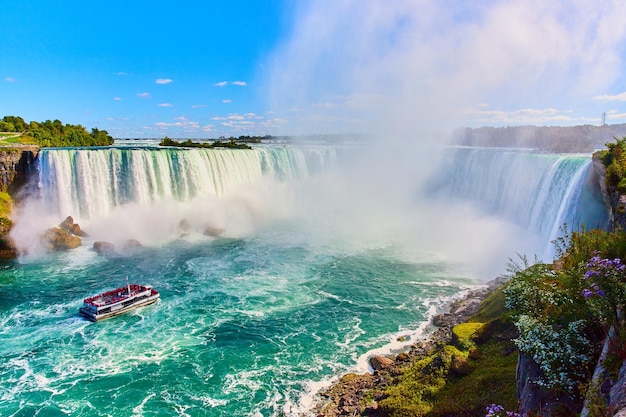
column 606, row 286
column 496, row 410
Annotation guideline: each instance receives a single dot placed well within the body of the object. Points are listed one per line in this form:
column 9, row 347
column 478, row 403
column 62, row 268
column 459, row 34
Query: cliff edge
column 614, row 201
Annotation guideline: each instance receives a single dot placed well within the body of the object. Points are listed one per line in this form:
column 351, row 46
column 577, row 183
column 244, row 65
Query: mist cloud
column 402, row 65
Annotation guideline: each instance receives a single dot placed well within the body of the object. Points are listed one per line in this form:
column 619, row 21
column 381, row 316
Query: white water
column 480, row 206
column 324, row 269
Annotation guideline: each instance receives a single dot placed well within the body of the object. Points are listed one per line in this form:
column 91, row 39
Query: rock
column 617, row 397
column 213, row 231
column 75, row 229
column 467, row 305
column 57, row 239
column 380, row 362
column 183, row 225
column 132, row 244
column 104, row 248
column 474, row 353
column 71, row 227
column 67, row 223
column 459, row 365
column 402, row 357
column 443, row 320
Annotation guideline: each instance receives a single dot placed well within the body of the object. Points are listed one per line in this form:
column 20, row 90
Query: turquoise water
column 316, row 270
column 243, row 327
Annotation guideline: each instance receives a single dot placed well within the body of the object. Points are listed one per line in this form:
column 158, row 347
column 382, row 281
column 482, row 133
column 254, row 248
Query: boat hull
column 97, row 316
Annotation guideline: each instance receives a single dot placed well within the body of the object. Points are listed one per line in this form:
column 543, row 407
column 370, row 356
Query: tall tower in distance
column 603, row 122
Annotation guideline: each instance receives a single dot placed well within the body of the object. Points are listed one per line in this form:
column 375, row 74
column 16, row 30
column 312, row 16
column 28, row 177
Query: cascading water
column 539, row 192
column 251, row 324
column 91, row 183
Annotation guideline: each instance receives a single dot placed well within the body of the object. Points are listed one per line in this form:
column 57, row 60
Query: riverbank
column 361, row 394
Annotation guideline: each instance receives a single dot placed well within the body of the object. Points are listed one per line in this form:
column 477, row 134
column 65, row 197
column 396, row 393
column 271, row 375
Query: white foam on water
column 138, row 410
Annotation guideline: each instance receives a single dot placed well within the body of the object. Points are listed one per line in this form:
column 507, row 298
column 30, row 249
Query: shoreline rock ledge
column 345, row 397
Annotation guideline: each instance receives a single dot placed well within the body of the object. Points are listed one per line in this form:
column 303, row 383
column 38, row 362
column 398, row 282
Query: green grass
column 462, row 335
column 491, row 308
column 428, row 388
column 22, row 140
column 491, row 380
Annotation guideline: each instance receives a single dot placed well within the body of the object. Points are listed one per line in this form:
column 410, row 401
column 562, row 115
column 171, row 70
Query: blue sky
column 207, row 68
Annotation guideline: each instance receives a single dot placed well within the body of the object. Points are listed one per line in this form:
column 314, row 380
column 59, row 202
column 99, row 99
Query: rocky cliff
column 16, row 165
column 614, row 201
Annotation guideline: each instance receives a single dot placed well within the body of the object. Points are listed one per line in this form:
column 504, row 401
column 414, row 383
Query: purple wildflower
column 587, row 293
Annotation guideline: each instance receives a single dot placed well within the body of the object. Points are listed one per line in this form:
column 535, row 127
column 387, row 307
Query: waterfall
column 536, row 191
column 91, row 183
column 479, row 198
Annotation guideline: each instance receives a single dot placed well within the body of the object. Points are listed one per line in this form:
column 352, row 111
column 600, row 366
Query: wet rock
column 443, row 320
column 213, row 231
column 56, row 239
column 104, row 248
column 132, row 244
column 380, row 362
column 71, row 227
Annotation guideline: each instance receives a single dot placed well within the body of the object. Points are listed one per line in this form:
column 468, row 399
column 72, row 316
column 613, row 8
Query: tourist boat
column 118, row 301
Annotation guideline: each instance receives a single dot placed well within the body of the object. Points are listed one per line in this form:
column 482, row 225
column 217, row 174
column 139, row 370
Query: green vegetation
column 434, row 386
column 491, row 378
column 563, row 311
column 231, row 144
column 614, row 159
column 559, row 314
column 6, row 204
column 52, row 133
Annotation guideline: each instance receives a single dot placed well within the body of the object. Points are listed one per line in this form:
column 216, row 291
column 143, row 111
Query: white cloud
column 236, row 117
column 10, row 80
column 163, row 80
column 617, row 97
column 227, row 101
column 121, row 73
column 617, row 116
column 239, row 83
column 482, row 114
column 198, row 106
column 165, row 105
column 117, row 98
column 221, row 84
column 179, row 122
column 144, row 95
column 420, row 64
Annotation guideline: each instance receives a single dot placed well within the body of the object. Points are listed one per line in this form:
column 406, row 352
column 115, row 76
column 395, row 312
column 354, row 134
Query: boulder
column 380, row 362
column 132, row 244
column 213, row 231
column 459, row 365
column 104, row 248
column 57, row 239
column 475, row 353
column 443, row 320
column 71, row 227
column 75, row 229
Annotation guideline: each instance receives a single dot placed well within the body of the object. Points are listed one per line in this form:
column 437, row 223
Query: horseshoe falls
column 314, row 267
